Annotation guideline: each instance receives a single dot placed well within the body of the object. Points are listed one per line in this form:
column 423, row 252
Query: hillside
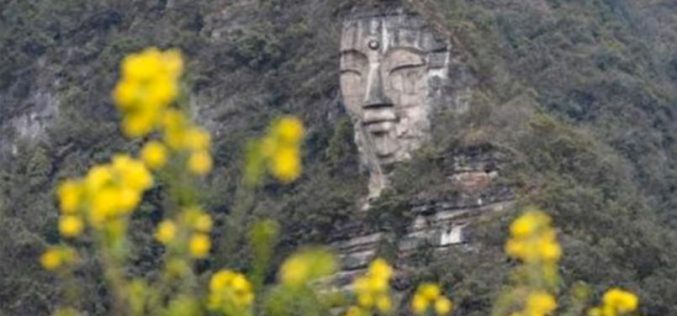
column 579, row 95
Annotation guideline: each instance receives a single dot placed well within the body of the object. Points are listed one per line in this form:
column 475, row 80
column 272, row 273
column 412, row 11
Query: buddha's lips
column 379, row 120
column 380, row 127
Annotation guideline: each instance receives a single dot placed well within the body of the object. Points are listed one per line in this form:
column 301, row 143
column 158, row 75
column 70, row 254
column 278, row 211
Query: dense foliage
column 578, row 94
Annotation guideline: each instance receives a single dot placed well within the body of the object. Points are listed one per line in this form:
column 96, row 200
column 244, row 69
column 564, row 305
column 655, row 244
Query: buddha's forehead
column 390, row 31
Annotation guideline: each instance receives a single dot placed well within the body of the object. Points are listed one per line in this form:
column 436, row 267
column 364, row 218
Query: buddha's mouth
column 379, row 127
column 379, row 121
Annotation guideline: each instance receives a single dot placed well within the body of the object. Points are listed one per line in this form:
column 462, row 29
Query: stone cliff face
column 437, row 221
column 396, row 74
column 28, row 108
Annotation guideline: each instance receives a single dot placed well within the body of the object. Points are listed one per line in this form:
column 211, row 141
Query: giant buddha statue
column 395, row 75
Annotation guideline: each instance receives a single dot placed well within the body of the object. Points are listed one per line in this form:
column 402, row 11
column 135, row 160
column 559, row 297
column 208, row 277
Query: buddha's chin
column 385, row 148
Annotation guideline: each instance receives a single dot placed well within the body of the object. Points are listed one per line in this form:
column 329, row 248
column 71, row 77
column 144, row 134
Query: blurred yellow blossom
column 154, row 155
column 355, row 311
column 56, row 257
column 286, row 164
column 97, row 177
column 70, row 226
column 197, row 139
column 200, row 244
column 429, row 295
column 373, row 289
column 383, row 303
column 278, row 152
column 200, row 163
column 527, row 224
column 290, row 129
column 203, row 223
column 148, row 84
column 165, row 232
column 443, row 306
column 623, row 301
column 70, row 196
column 230, row 293
column 132, row 173
column 533, row 239
column 616, row 302
column 429, row 291
column 305, row 266
column 540, row 304
column 51, row 259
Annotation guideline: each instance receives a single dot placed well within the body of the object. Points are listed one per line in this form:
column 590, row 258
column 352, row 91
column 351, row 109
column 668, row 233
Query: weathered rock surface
column 396, row 73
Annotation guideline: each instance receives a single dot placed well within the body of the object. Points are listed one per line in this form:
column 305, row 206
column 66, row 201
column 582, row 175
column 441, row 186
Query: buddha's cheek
column 413, row 116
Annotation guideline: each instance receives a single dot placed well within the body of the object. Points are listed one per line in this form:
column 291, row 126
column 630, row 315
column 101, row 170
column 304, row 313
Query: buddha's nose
column 375, row 96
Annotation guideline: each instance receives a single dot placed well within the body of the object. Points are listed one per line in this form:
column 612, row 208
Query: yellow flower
column 305, row 266
column 549, row 250
column 443, row 306
column 523, row 226
column 173, row 119
column 365, row 300
column 154, row 154
column 203, row 223
column 220, row 280
column 380, row 268
column 125, row 94
column 51, row 259
column 528, row 224
column 149, row 83
column 289, row 129
column 97, row 177
column 200, row 163
column 419, row 304
column 540, row 303
column 377, row 284
column 159, row 93
column 70, row 196
column 70, row 226
column 355, row 311
column 429, row 291
column 286, row 164
column 515, row 248
column 129, row 199
column 104, row 204
column 200, row 244
column 372, row 289
column 620, row 300
column 142, row 66
column 197, row 139
column 166, row 231
column 295, row 271
column 173, row 62
column 596, row 311
column 132, row 172
column 383, row 303
column 139, row 123
column 230, row 289
column 240, row 283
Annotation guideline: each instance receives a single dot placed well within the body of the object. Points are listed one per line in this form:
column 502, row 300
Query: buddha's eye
column 354, row 62
column 405, row 69
column 405, row 79
column 351, row 81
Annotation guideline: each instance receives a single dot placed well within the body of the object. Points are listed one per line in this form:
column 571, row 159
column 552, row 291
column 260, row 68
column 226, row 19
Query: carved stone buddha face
column 393, row 69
